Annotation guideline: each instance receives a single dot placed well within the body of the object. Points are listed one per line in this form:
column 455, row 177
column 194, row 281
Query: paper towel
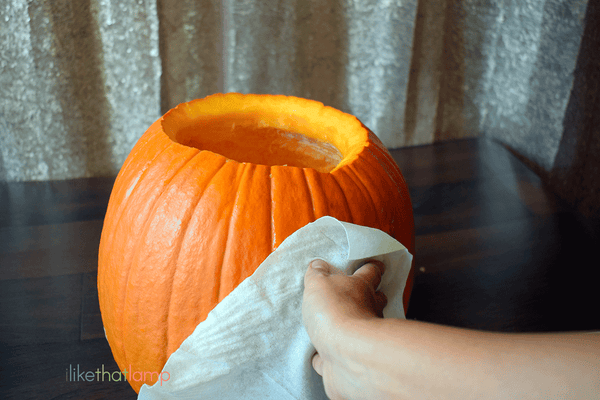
column 253, row 344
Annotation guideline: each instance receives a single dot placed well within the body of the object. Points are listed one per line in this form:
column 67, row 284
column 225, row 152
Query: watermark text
column 76, row 374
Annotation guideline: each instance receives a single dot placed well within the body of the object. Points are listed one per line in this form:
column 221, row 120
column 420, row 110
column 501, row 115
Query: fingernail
column 318, row 264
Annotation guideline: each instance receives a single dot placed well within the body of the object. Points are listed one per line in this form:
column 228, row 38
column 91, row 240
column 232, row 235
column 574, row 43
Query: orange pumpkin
column 209, row 191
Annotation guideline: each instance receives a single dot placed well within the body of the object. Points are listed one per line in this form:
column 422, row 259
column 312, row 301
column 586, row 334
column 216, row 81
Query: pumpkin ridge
column 365, row 189
column 376, row 158
column 350, row 180
column 238, row 175
column 355, row 176
column 137, row 249
column 181, row 238
column 341, row 189
column 149, row 139
column 404, row 194
column 272, row 186
column 374, row 161
column 314, row 180
column 371, row 164
column 312, row 203
column 293, row 213
column 394, row 174
column 193, row 210
column 208, row 184
column 398, row 178
column 124, row 203
column 120, row 313
column 249, row 223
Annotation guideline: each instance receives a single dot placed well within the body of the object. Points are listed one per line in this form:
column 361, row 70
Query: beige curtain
column 81, row 80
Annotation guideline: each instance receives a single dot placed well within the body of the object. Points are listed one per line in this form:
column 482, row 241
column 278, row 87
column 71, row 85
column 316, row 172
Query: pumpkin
column 209, row 191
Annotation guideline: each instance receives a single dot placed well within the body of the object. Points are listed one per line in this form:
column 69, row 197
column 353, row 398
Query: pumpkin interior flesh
column 247, row 140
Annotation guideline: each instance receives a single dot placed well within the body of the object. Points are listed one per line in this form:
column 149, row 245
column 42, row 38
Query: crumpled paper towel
column 253, row 344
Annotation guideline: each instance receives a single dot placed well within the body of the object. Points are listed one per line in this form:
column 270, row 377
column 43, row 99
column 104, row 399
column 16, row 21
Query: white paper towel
column 253, row 344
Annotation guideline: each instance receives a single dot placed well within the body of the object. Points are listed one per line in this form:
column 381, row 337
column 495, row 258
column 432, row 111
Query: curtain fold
column 80, row 82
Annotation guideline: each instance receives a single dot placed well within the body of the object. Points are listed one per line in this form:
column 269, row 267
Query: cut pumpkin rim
column 274, row 130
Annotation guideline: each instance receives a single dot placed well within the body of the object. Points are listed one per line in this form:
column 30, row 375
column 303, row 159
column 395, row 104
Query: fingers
column 322, row 266
column 317, row 267
column 371, row 272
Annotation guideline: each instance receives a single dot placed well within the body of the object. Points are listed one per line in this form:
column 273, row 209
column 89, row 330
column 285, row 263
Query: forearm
column 411, row 359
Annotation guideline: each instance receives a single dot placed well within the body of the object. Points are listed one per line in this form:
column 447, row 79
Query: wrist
column 369, row 347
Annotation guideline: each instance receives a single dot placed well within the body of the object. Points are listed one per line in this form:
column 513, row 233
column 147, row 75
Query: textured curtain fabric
column 80, row 83
column 81, row 80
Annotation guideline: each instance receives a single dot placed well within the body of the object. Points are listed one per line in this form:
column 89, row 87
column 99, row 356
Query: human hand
column 334, row 304
column 362, row 356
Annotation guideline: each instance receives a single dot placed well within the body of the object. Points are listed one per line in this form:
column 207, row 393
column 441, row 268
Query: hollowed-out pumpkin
column 209, row 191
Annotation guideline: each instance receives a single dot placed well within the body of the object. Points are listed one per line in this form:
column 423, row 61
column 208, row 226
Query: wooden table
column 495, row 250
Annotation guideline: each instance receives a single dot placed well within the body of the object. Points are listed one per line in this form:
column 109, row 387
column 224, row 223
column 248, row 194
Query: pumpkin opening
column 299, row 134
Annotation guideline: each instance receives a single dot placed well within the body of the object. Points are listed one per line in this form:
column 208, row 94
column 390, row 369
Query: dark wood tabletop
column 495, row 250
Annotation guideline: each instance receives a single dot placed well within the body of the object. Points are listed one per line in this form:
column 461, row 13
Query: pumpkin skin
column 185, row 226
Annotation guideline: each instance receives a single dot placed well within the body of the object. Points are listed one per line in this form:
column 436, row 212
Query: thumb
column 321, row 267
